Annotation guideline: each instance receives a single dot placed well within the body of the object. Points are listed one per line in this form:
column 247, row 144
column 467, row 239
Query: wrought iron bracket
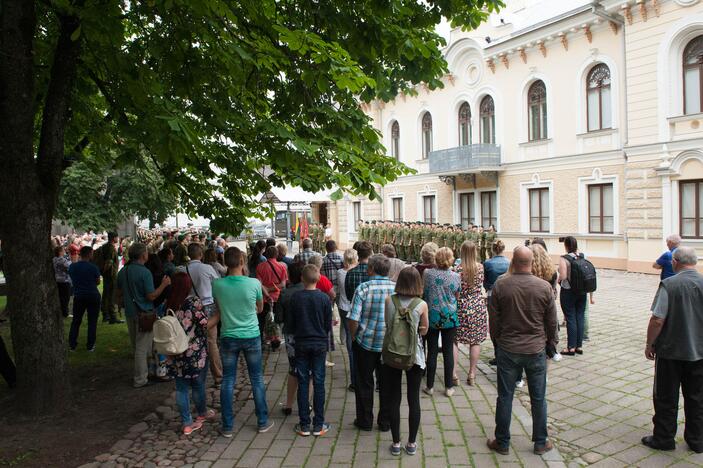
column 449, row 180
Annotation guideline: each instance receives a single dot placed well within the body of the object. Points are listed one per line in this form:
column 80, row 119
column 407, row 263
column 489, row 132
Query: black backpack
column 582, row 275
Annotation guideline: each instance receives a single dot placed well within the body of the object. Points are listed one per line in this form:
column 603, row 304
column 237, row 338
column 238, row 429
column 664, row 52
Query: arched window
column 692, row 83
column 598, row 98
column 464, row 124
column 537, row 109
column 395, row 140
column 426, row 135
column 488, row 120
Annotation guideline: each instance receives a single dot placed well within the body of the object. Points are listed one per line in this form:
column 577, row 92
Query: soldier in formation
column 409, row 237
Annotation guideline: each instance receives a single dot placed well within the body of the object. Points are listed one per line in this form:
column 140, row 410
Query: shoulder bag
column 145, row 318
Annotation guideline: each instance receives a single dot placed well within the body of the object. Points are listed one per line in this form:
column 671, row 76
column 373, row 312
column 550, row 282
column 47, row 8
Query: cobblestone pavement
column 599, row 408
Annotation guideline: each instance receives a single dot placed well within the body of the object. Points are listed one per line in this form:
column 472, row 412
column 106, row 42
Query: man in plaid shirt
column 307, row 251
column 331, row 263
column 359, row 273
column 367, row 326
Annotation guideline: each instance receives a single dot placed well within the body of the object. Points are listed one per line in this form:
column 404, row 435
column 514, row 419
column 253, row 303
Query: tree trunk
column 37, row 324
column 28, row 195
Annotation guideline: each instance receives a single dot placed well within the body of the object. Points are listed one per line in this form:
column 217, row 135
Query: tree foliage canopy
column 229, row 98
column 99, row 196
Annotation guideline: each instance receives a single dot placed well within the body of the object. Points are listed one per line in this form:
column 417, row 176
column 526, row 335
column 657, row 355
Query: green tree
column 227, row 98
column 99, row 196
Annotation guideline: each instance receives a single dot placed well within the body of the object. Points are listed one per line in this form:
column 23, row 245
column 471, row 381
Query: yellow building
column 558, row 117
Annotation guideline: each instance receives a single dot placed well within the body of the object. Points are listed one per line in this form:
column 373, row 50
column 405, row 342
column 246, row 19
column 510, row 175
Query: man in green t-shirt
column 239, row 298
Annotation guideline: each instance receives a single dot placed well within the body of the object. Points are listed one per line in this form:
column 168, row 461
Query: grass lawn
column 112, row 343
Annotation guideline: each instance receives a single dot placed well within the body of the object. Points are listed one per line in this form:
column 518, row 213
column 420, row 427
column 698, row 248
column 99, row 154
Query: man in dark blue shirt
column 663, row 263
column 310, row 323
column 85, row 277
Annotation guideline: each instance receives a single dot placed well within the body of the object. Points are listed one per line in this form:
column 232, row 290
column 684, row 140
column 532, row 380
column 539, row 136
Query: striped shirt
column 368, row 309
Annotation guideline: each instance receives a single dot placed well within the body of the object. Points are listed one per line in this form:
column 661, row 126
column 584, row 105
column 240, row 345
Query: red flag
column 304, row 228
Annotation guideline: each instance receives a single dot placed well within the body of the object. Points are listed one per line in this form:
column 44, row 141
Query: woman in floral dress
column 190, row 368
column 472, row 306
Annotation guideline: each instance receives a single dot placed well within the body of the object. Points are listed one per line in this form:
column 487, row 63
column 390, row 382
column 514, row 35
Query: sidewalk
column 453, row 431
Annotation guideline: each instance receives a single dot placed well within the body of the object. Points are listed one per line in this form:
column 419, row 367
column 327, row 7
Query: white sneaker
column 520, row 384
column 449, row 392
column 428, row 391
column 329, row 363
column 557, row 357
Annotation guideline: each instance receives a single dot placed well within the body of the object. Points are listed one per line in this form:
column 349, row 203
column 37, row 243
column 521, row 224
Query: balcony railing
column 465, row 158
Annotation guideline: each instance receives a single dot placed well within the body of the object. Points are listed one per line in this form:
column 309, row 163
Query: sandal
column 471, row 380
column 455, row 381
column 578, row 350
column 567, row 352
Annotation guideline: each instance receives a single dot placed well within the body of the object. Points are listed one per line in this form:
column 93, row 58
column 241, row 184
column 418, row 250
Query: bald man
column 523, row 323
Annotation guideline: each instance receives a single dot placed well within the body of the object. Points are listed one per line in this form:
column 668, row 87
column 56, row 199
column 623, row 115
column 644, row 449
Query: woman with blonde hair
column 542, row 266
column 472, row 313
column 427, row 254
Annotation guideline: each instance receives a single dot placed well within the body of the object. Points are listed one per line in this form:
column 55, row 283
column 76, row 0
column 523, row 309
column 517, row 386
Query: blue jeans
column 574, row 308
column 183, row 387
column 348, row 343
column 510, row 366
column 309, row 360
column 229, row 351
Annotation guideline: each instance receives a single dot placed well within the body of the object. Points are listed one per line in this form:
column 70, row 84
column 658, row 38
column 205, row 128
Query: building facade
column 557, row 117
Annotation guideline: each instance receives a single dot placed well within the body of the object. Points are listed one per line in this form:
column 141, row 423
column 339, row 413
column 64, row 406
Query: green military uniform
column 490, row 240
column 459, row 236
column 314, row 231
column 400, row 243
column 417, row 243
column 483, row 246
column 321, row 240
column 407, row 243
column 426, row 235
column 106, row 261
column 373, row 237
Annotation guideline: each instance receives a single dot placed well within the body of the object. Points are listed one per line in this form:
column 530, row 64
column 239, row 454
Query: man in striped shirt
column 367, row 327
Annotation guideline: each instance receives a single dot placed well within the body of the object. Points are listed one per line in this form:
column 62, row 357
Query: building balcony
column 465, row 159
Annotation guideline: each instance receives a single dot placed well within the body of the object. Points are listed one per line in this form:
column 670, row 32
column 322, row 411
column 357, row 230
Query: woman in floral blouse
column 190, row 368
column 442, row 288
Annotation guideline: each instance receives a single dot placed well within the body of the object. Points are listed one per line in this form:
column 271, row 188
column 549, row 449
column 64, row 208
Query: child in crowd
column 310, row 322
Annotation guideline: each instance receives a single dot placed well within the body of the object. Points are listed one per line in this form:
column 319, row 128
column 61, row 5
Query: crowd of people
column 395, row 317
column 231, row 302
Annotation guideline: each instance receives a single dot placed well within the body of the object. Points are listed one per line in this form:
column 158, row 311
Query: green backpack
column 400, row 341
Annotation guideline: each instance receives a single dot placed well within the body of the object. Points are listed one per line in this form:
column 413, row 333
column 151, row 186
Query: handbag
column 145, row 318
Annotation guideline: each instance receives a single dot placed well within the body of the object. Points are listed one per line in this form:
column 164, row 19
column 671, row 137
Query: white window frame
column 525, row 187
column 421, row 204
column 597, row 177
column 476, row 208
column 479, row 206
column 582, row 107
column 393, row 197
column 352, row 224
column 670, row 69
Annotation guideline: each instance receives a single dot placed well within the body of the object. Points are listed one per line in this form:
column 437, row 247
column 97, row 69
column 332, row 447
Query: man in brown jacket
column 523, row 323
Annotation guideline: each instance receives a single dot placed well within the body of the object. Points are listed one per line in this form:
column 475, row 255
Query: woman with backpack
column 577, row 279
column 473, row 316
column 190, row 367
column 404, row 309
